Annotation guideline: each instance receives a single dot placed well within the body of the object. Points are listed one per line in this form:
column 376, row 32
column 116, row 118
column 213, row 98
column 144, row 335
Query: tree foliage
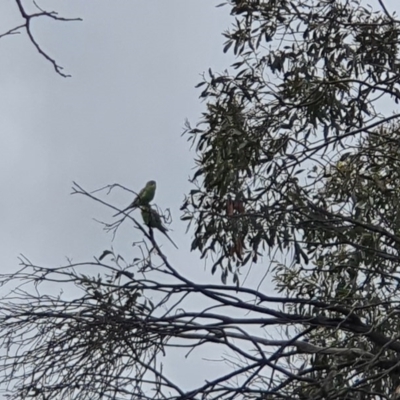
column 303, row 133
column 297, row 169
column 310, row 78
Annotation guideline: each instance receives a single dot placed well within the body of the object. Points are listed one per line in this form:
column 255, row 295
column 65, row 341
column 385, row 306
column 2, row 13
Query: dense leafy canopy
column 312, row 79
column 303, row 133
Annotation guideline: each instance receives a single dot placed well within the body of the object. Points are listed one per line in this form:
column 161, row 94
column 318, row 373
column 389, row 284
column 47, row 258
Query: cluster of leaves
column 318, row 173
column 289, row 110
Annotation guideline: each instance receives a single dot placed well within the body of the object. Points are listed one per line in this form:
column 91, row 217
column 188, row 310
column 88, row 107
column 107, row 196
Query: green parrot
column 153, row 220
column 145, row 196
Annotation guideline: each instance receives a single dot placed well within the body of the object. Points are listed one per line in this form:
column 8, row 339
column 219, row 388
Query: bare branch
column 27, row 26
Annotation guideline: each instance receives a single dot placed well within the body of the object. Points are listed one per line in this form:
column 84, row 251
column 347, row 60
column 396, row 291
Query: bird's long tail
column 166, row 234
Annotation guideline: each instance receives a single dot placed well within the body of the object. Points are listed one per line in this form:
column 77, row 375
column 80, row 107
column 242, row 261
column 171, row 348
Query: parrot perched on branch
column 145, row 196
column 153, row 220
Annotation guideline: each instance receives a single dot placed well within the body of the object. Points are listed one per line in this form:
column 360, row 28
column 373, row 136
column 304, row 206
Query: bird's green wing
column 146, row 215
column 153, row 220
column 145, row 196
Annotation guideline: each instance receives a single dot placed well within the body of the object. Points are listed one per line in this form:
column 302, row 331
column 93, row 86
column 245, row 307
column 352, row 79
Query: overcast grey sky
column 119, row 118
